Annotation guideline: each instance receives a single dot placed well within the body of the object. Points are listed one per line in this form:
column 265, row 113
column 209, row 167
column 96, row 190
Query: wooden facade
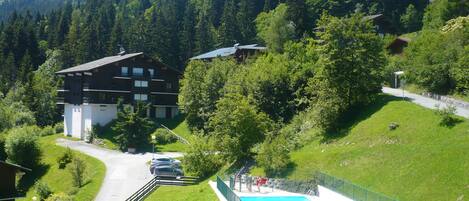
column 8, row 172
column 110, row 82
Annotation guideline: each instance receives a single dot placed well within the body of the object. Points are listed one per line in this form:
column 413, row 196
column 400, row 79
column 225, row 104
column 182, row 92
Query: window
column 152, row 72
column 140, row 83
column 169, row 85
column 142, row 97
column 137, row 71
column 124, row 71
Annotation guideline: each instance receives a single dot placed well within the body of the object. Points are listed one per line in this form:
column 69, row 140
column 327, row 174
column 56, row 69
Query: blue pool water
column 277, row 198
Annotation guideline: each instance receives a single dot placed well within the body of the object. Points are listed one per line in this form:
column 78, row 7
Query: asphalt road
column 424, row 101
column 125, row 173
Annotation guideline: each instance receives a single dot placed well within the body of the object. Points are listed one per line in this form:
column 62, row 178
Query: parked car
column 166, row 171
column 166, row 161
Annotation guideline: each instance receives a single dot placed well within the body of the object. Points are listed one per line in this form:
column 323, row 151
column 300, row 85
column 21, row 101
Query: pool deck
column 264, row 192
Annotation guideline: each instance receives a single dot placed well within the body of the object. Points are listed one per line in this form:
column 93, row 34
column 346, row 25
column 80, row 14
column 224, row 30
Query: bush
column 163, row 136
column 201, row 158
column 446, row 115
column 43, row 190
column 78, row 171
column 60, row 197
column 48, row 130
column 22, row 147
column 59, row 127
column 65, row 159
column 274, row 156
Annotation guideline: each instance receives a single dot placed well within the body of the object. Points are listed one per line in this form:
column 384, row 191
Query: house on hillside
column 238, row 52
column 382, row 24
column 396, row 47
column 90, row 92
column 8, row 173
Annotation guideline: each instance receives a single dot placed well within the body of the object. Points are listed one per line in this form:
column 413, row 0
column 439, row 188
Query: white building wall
column 79, row 119
column 326, row 194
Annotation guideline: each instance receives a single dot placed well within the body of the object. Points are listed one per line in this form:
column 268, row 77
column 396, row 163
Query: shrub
column 446, row 115
column 43, row 190
column 65, row 159
column 201, row 158
column 274, row 155
column 22, row 147
column 59, row 127
column 60, row 197
column 78, row 171
column 48, row 130
column 132, row 127
column 163, row 136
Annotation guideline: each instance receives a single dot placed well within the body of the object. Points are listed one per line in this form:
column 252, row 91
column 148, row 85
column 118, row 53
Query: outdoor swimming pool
column 276, row 198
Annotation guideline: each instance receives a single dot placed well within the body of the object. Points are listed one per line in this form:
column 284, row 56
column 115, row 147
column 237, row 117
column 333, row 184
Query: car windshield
column 163, row 159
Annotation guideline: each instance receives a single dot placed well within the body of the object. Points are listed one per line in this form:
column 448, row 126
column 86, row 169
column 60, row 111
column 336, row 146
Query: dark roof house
column 397, row 46
column 239, row 52
column 92, row 90
column 8, row 172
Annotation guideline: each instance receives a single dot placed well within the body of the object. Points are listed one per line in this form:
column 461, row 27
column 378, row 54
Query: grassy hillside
column 420, row 160
column 60, row 180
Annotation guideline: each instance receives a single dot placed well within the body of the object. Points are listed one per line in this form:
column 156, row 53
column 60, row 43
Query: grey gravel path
column 424, row 101
column 125, row 173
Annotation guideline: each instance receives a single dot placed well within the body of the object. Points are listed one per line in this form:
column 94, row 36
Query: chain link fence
column 349, row 189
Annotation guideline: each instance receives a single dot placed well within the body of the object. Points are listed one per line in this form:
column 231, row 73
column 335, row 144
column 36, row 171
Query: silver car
column 166, row 171
column 165, row 161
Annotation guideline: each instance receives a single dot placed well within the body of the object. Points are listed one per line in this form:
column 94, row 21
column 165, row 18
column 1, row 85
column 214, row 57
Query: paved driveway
column 424, row 101
column 125, row 173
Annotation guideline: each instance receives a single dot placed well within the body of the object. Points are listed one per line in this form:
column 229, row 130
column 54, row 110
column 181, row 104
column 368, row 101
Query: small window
column 124, row 71
column 137, row 71
column 142, row 97
column 152, row 72
column 169, row 85
column 140, row 83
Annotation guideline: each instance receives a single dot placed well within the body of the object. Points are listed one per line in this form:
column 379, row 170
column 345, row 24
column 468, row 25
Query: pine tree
column 228, row 31
column 245, row 19
column 204, row 38
column 187, row 39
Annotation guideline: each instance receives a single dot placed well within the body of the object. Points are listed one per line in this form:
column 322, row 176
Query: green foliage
column 13, row 112
column 237, row 126
column 163, row 136
column 43, row 190
column 350, row 68
column 65, row 158
column 274, row 28
column 45, row 84
column 60, row 197
column 274, row 155
column 48, row 130
column 78, row 170
column 446, row 114
column 59, row 127
column 22, row 147
column 201, row 87
column 440, row 11
column 201, row 158
column 436, row 61
column 132, row 128
column 411, row 20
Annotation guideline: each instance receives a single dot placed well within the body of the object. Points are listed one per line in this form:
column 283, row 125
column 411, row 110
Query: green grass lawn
column 59, row 180
column 177, row 125
column 420, row 160
column 199, row 192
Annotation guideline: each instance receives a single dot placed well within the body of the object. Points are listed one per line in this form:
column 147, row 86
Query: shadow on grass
column 29, row 179
column 355, row 115
column 451, row 122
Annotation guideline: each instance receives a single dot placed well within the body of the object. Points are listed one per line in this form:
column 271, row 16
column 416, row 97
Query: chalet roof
column 14, row 166
column 399, row 40
column 227, row 51
column 98, row 63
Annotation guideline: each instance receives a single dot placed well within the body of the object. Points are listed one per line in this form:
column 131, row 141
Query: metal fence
column 226, row 191
column 349, row 189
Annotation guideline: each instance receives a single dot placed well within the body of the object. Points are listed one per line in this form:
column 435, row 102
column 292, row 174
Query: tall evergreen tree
column 228, row 31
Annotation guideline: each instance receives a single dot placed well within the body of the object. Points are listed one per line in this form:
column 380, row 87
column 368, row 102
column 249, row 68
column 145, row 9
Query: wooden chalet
column 91, row 90
column 8, row 173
